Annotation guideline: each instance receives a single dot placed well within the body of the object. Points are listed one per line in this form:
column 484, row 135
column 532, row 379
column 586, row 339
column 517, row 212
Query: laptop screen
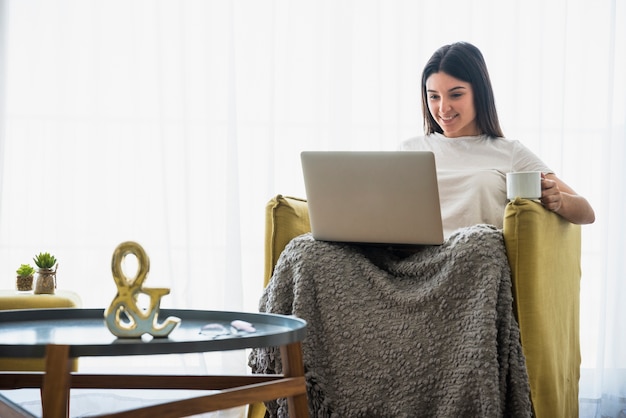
column 384, row 197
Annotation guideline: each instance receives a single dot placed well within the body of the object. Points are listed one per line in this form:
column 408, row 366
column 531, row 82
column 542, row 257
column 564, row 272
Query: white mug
column 524, row 184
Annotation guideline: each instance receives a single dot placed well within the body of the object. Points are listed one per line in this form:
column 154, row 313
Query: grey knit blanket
column 429, row 334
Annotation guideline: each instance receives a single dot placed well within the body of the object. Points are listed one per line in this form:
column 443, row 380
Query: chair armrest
column 544, row 255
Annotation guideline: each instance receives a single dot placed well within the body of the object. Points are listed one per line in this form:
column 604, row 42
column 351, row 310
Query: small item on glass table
column 237, row 328
column 240, row 325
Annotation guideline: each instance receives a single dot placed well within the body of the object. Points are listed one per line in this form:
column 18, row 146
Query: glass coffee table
column 61, row 335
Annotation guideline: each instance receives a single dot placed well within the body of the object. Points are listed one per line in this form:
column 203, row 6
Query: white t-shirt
column 471, row 172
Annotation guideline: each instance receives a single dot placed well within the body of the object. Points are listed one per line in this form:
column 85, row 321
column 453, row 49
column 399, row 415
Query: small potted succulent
column 24, row 281
column 46, row 274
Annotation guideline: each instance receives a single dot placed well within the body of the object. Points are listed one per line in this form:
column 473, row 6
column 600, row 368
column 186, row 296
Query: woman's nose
column 444, row 106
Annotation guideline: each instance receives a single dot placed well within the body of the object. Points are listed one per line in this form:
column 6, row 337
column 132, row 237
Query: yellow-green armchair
column 544, row 254
column 10, row 300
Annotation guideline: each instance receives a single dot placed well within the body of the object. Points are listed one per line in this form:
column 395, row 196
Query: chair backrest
column 285, row 218
column 544, row 254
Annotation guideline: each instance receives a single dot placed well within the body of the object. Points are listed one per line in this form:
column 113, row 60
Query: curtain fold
column 172, row 124
column 3, row 92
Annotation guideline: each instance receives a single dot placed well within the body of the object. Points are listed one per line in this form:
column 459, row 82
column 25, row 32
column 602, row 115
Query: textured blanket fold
column 431, row 334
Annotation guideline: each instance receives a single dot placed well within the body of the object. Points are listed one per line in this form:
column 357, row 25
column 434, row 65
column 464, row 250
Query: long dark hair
column 464, row 61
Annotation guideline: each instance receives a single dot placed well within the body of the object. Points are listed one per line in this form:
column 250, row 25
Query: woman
column 472, row 155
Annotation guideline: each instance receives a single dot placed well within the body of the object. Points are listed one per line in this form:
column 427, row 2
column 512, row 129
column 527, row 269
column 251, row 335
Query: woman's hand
column 551, row 197
column 558, row 197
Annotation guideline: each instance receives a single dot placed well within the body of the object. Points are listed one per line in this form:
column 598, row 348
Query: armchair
column 543, row 251
column 10, row 300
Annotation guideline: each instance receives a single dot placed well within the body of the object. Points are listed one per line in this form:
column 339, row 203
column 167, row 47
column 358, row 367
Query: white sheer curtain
column 171, row 123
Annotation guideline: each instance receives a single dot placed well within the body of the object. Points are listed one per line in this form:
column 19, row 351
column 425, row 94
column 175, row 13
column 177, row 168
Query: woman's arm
column 560, row 198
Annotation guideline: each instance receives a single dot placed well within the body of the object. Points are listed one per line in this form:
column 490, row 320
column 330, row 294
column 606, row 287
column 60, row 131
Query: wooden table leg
column 55, row 391
column 293, row 366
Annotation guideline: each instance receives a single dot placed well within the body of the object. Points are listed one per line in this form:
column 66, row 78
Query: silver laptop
column 378, row 197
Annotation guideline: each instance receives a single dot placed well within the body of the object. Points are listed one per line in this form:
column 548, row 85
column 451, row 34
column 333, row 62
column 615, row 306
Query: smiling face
column 451, row 104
